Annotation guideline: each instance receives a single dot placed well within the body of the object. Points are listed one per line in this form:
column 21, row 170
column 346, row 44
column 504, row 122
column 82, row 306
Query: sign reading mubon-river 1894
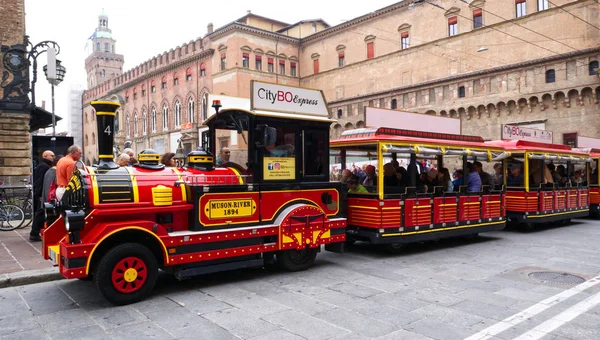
column 230, row 208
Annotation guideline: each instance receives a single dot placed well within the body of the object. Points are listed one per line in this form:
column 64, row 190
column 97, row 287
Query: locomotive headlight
column 74, row 223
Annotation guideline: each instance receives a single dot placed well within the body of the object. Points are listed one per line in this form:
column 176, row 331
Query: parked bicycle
column 22, row 197
column 11, row 216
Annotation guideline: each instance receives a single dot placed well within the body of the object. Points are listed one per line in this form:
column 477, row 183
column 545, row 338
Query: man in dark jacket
column 38, row 185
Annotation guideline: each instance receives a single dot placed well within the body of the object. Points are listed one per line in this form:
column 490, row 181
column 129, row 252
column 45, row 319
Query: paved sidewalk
column 18, row 255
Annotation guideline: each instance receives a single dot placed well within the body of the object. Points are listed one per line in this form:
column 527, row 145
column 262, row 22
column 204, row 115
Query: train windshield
column 231, row 139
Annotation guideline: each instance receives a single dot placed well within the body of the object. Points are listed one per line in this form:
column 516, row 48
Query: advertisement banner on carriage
column 377, row 117
column 515, row 132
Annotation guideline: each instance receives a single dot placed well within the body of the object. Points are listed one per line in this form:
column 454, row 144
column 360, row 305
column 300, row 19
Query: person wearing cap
column 515, row 177
column 371, row 178
column 354, row 187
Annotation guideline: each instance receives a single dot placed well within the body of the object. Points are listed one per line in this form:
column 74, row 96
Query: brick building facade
column 15, row 150
column 487, row 62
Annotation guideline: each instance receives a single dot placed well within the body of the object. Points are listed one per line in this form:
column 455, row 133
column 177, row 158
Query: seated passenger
column 355, row 187
column 515, row 177
column 346, row 174
column 371, row 177
column 594, row 177
column 389, row 175
column 486, row 179
column 123, row 159
column 473, row 178
column 458, row 178
column 444, row 179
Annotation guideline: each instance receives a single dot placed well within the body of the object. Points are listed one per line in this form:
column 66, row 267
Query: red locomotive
column 272, row 202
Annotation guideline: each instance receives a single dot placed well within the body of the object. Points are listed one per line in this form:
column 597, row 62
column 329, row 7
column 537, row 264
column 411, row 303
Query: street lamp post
column 34, row 52
column 60, row 75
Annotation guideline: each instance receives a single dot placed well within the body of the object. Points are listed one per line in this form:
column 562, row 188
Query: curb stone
column 27, row 277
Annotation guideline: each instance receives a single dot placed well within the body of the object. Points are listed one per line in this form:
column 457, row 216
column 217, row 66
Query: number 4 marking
column 107, row 130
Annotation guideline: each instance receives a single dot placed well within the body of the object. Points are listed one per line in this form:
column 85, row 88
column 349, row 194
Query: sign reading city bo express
column 525, row 133
column 282, row 98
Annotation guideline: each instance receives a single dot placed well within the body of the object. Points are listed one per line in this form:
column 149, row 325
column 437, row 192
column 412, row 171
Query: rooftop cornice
column 236, row 26
column 485, row 72
column 356, row 21
column 154, row 73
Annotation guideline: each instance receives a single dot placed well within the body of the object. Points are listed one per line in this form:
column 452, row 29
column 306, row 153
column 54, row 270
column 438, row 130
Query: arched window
column 592, row 67
column 165, row 118
column 177, row 114
column 135, row 124
column 97, row 46
column 144, row 123
column 93, row 138
column 339, row 113
column 394, row 104
column 127, row 126
column 87, row 140
column 191, row 110
column 550, row 76
column 204, row 115
column 153, row 119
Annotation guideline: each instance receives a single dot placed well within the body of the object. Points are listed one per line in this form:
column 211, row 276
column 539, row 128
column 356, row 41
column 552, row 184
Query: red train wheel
column 129, row 275
column 126, row 273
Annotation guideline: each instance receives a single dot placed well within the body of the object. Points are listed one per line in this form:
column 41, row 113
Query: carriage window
column 314, row 149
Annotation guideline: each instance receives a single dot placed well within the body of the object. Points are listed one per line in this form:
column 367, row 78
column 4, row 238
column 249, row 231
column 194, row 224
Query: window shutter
column 478, row 12
column 404, row 35
column 452, row 20
column 245, row 55
column 316, row 66
column 370, row 50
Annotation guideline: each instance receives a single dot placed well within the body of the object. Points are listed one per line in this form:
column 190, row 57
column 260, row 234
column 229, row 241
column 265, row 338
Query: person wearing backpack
column 48, row 194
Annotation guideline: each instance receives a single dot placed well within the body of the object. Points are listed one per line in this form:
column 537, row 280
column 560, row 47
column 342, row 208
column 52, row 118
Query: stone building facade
column 485, row 62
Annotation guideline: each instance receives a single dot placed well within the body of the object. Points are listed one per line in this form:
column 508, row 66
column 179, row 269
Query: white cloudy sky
column 145, row 28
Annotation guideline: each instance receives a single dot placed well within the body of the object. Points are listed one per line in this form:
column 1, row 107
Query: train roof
column 523, row 145
column 384, row 134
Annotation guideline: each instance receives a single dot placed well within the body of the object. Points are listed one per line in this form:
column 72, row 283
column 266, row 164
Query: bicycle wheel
column 27, row 207
column 11, row 217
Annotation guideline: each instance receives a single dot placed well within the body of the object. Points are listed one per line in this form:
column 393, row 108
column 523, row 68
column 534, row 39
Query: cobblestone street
column 452, row 289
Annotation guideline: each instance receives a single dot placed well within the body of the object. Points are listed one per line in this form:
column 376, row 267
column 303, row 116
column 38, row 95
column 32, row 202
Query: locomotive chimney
column 105, row 116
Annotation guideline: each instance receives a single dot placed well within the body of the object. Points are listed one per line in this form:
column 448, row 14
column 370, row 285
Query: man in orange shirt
column 64, row 169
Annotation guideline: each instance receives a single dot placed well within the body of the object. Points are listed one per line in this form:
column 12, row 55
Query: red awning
column 282, row 62
column 270, row 60
column 135, row 90
column 341, row 54
column 452, row 20
column 477, row 12
column 188, row 72
column 292, row 64
column 223, row 56
column 164, row 79
column 175, row 76
column 202, row 66
column 259, row 57
column 153, row 82
column 246, row 55
column 404, row 35
column 143, row 87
